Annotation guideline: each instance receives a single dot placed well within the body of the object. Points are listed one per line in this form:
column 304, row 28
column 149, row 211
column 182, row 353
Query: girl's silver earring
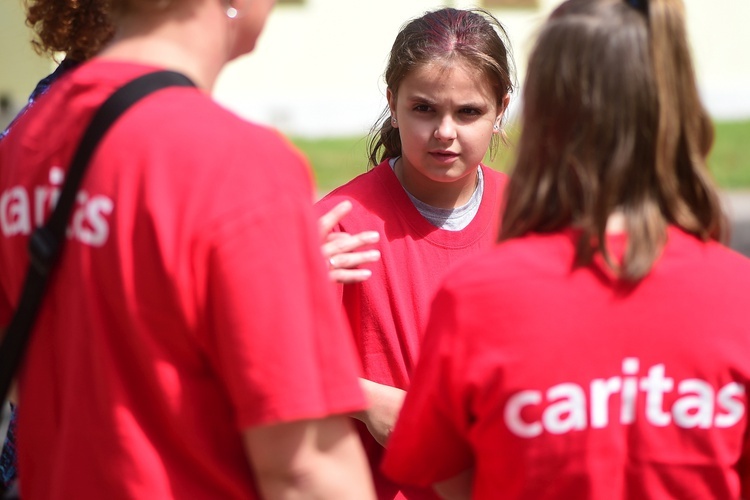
column 394, row 122
column 231, row 13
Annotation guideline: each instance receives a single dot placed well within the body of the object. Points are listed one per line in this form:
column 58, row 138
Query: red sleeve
column 278, row 337
column 429, row 443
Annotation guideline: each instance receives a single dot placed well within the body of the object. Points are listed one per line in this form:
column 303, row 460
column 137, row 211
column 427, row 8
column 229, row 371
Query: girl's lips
column 443, row 155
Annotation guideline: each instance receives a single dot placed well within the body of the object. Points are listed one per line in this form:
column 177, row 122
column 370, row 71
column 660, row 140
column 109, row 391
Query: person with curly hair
column 206, row 358
column 77, row 28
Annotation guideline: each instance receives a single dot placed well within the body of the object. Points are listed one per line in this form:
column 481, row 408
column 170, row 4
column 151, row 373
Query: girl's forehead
column 442, row 75
column 440, row 69
column 446, row 62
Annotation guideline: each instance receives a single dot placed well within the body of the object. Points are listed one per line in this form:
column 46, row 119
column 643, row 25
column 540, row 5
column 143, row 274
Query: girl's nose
column 446, row 129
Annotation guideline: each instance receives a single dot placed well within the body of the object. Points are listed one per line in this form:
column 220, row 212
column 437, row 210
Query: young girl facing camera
column 602, row 350
column 428, row 195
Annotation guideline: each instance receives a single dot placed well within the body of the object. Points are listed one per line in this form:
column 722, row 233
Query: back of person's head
column 612, row 121
column 78, row 28
column 474, row 36
column 122, row 8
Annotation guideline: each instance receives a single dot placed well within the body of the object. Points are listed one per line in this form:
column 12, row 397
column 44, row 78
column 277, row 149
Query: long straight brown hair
column 612, row 120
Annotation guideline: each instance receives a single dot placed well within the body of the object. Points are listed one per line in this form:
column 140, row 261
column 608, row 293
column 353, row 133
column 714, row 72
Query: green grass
column 730, row 157
column 335, row 161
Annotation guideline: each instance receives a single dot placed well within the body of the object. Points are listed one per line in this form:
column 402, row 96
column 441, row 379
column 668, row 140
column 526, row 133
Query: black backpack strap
column 46, row 242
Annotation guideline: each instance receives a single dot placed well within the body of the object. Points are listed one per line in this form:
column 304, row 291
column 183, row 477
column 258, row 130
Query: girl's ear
column 496, row 125
column 501, row 112
column 391, row 102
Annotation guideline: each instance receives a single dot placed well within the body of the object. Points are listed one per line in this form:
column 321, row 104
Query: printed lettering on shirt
column 568, row 407
column 22, row 211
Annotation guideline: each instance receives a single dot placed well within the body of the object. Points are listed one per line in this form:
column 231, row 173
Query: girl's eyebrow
column 421, row 98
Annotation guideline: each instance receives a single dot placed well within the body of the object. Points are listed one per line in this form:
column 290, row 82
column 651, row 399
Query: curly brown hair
column 79, row 28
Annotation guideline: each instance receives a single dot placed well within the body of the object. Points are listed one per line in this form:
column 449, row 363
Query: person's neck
column 615, row 222
column 193, row 43
column 437, row 194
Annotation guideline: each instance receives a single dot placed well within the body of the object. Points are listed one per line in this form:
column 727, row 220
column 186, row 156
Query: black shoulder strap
column 46, row 242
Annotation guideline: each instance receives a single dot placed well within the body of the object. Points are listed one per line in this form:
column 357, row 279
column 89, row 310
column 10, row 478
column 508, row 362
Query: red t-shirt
column 191, row 301
column 388, row 312
column 562, row 382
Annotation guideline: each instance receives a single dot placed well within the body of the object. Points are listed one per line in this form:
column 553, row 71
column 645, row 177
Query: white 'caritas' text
column 21, row 211
column 567, row 407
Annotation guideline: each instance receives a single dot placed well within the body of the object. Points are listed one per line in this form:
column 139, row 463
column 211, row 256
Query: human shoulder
column 514, row 261
column 183, row 131
column 495, row 182
column 716, row 261
column 206, row 135
column 363, row 190
column 188, row 112
column 494, row 175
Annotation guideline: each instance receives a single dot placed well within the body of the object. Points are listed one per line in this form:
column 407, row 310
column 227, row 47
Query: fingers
column 343, row 262
column 349, row 276
column 349, row 260
column 337, row 243
column 329, row 220
column 340, row 249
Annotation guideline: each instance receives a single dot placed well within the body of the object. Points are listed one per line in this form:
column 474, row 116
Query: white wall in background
column 20, row 66
column 317, row 70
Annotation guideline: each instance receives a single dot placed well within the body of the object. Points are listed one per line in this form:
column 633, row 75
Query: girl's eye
column 421, row 108
column 471, row 111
